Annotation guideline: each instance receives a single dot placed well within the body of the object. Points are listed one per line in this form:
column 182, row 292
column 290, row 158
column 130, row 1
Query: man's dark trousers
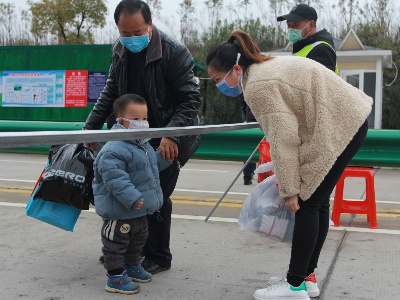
column 157, row 246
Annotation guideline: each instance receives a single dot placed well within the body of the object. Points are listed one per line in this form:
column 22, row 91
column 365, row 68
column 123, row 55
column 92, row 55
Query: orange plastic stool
column 366, row 206
column 263, row 148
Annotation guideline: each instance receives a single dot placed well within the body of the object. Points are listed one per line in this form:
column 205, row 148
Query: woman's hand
column 292, row 203
column 168, row 148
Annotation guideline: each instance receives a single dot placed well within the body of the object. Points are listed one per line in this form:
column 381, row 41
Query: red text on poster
column 76, row 85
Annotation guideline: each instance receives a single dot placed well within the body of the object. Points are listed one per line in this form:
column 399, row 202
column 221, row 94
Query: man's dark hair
column 131, row 7
column 122, row 102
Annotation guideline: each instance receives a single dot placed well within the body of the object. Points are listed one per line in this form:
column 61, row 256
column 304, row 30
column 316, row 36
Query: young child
column 126, row 189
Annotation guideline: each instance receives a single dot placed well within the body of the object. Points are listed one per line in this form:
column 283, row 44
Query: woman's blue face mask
column 224, row 87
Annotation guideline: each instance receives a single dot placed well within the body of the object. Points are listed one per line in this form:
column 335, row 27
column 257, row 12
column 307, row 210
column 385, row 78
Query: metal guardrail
column 230, row 142
column 39, row 138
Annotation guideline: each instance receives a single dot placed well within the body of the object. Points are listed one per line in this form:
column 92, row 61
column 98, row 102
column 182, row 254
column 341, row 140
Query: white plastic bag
column 263, row 168
column 265, row 211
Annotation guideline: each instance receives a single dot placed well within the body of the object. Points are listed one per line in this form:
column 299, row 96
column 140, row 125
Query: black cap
column 300, row 12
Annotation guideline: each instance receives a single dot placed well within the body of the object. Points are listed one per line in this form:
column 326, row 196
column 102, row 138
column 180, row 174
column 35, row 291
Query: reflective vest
column 307, row 49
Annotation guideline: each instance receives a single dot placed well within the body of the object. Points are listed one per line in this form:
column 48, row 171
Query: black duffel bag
column 68, row 176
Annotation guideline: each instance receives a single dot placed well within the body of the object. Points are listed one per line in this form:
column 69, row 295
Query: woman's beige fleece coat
column 308, row 114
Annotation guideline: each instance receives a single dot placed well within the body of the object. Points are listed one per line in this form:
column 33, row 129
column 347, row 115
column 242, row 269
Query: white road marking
column 24, row 161
column 233, row 220
column 194, row 191
column 209, row 192
column 18, row 180
column 199, row 170
column 10, row 204
column 365, row 230
column 44, row 162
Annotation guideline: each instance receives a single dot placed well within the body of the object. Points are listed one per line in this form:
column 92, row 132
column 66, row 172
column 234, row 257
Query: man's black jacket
column 321, row 53
column 173, row 94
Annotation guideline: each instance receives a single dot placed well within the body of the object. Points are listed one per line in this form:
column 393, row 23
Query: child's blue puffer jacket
column 124, row 173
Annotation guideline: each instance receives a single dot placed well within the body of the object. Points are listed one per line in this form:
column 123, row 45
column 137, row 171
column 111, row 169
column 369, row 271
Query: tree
column 155, row 7
column 7, row 14
column 13, row 32
column 380, row 13
column 187, row 18
column 347, row 10
column 214, row 9
column 68, row 21
column 372, row 35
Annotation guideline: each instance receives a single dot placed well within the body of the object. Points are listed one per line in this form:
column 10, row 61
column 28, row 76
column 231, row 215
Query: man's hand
column 292, row 203
column 168, row 149
column 139, row 205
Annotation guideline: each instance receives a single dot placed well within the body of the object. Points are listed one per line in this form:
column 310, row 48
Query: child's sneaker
column 281, row 289
column 137, row 273
column 312, row 286
column 121, row 284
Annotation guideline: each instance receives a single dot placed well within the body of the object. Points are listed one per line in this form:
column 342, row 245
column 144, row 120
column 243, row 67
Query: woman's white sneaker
column 312, row 286
column 281, row 289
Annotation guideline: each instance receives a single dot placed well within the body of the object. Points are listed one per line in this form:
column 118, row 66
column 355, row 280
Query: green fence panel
column 380, row 149
column 235, row 145
column 94, row 58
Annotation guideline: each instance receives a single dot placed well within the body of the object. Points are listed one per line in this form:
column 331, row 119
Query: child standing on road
column 126, row 189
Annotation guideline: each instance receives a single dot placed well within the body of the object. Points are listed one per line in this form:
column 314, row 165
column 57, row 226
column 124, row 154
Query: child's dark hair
column 131, row 7
column 223, row 56
column 122, row 102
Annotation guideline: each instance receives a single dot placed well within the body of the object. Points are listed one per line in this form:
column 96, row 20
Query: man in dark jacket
column 151, row 64
column 306, row 40
column 318, row 46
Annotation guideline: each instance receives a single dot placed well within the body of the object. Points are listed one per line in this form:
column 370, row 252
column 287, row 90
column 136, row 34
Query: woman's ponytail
column 223, row 56
column 250, row 52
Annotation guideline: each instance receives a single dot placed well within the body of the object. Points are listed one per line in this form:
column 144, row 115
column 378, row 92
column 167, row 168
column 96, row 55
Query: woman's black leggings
column 312, row 219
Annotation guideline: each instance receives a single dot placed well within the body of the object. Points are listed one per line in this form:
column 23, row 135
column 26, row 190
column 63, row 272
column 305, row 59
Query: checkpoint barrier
column 380, row 149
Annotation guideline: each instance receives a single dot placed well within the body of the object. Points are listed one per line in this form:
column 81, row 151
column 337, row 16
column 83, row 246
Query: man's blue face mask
column 224, row 87
column 135, row 44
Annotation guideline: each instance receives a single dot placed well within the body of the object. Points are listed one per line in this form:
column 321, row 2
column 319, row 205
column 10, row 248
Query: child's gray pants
column 123, row 241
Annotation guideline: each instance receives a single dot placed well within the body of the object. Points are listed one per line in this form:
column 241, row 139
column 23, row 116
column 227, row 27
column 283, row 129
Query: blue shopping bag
column 57, row 214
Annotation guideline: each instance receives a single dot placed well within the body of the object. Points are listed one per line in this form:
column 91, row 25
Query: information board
column 60, row 88
column 33, row 88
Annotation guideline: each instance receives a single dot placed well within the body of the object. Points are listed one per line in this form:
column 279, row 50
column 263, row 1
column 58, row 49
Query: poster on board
column 96, row 83
column 76, row 88
column 55, row 88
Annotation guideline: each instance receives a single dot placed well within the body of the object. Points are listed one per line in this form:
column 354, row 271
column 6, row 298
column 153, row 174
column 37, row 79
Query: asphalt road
column 212, row 260
column 202, row 183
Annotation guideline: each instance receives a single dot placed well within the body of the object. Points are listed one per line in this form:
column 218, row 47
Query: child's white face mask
column 136, row 124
